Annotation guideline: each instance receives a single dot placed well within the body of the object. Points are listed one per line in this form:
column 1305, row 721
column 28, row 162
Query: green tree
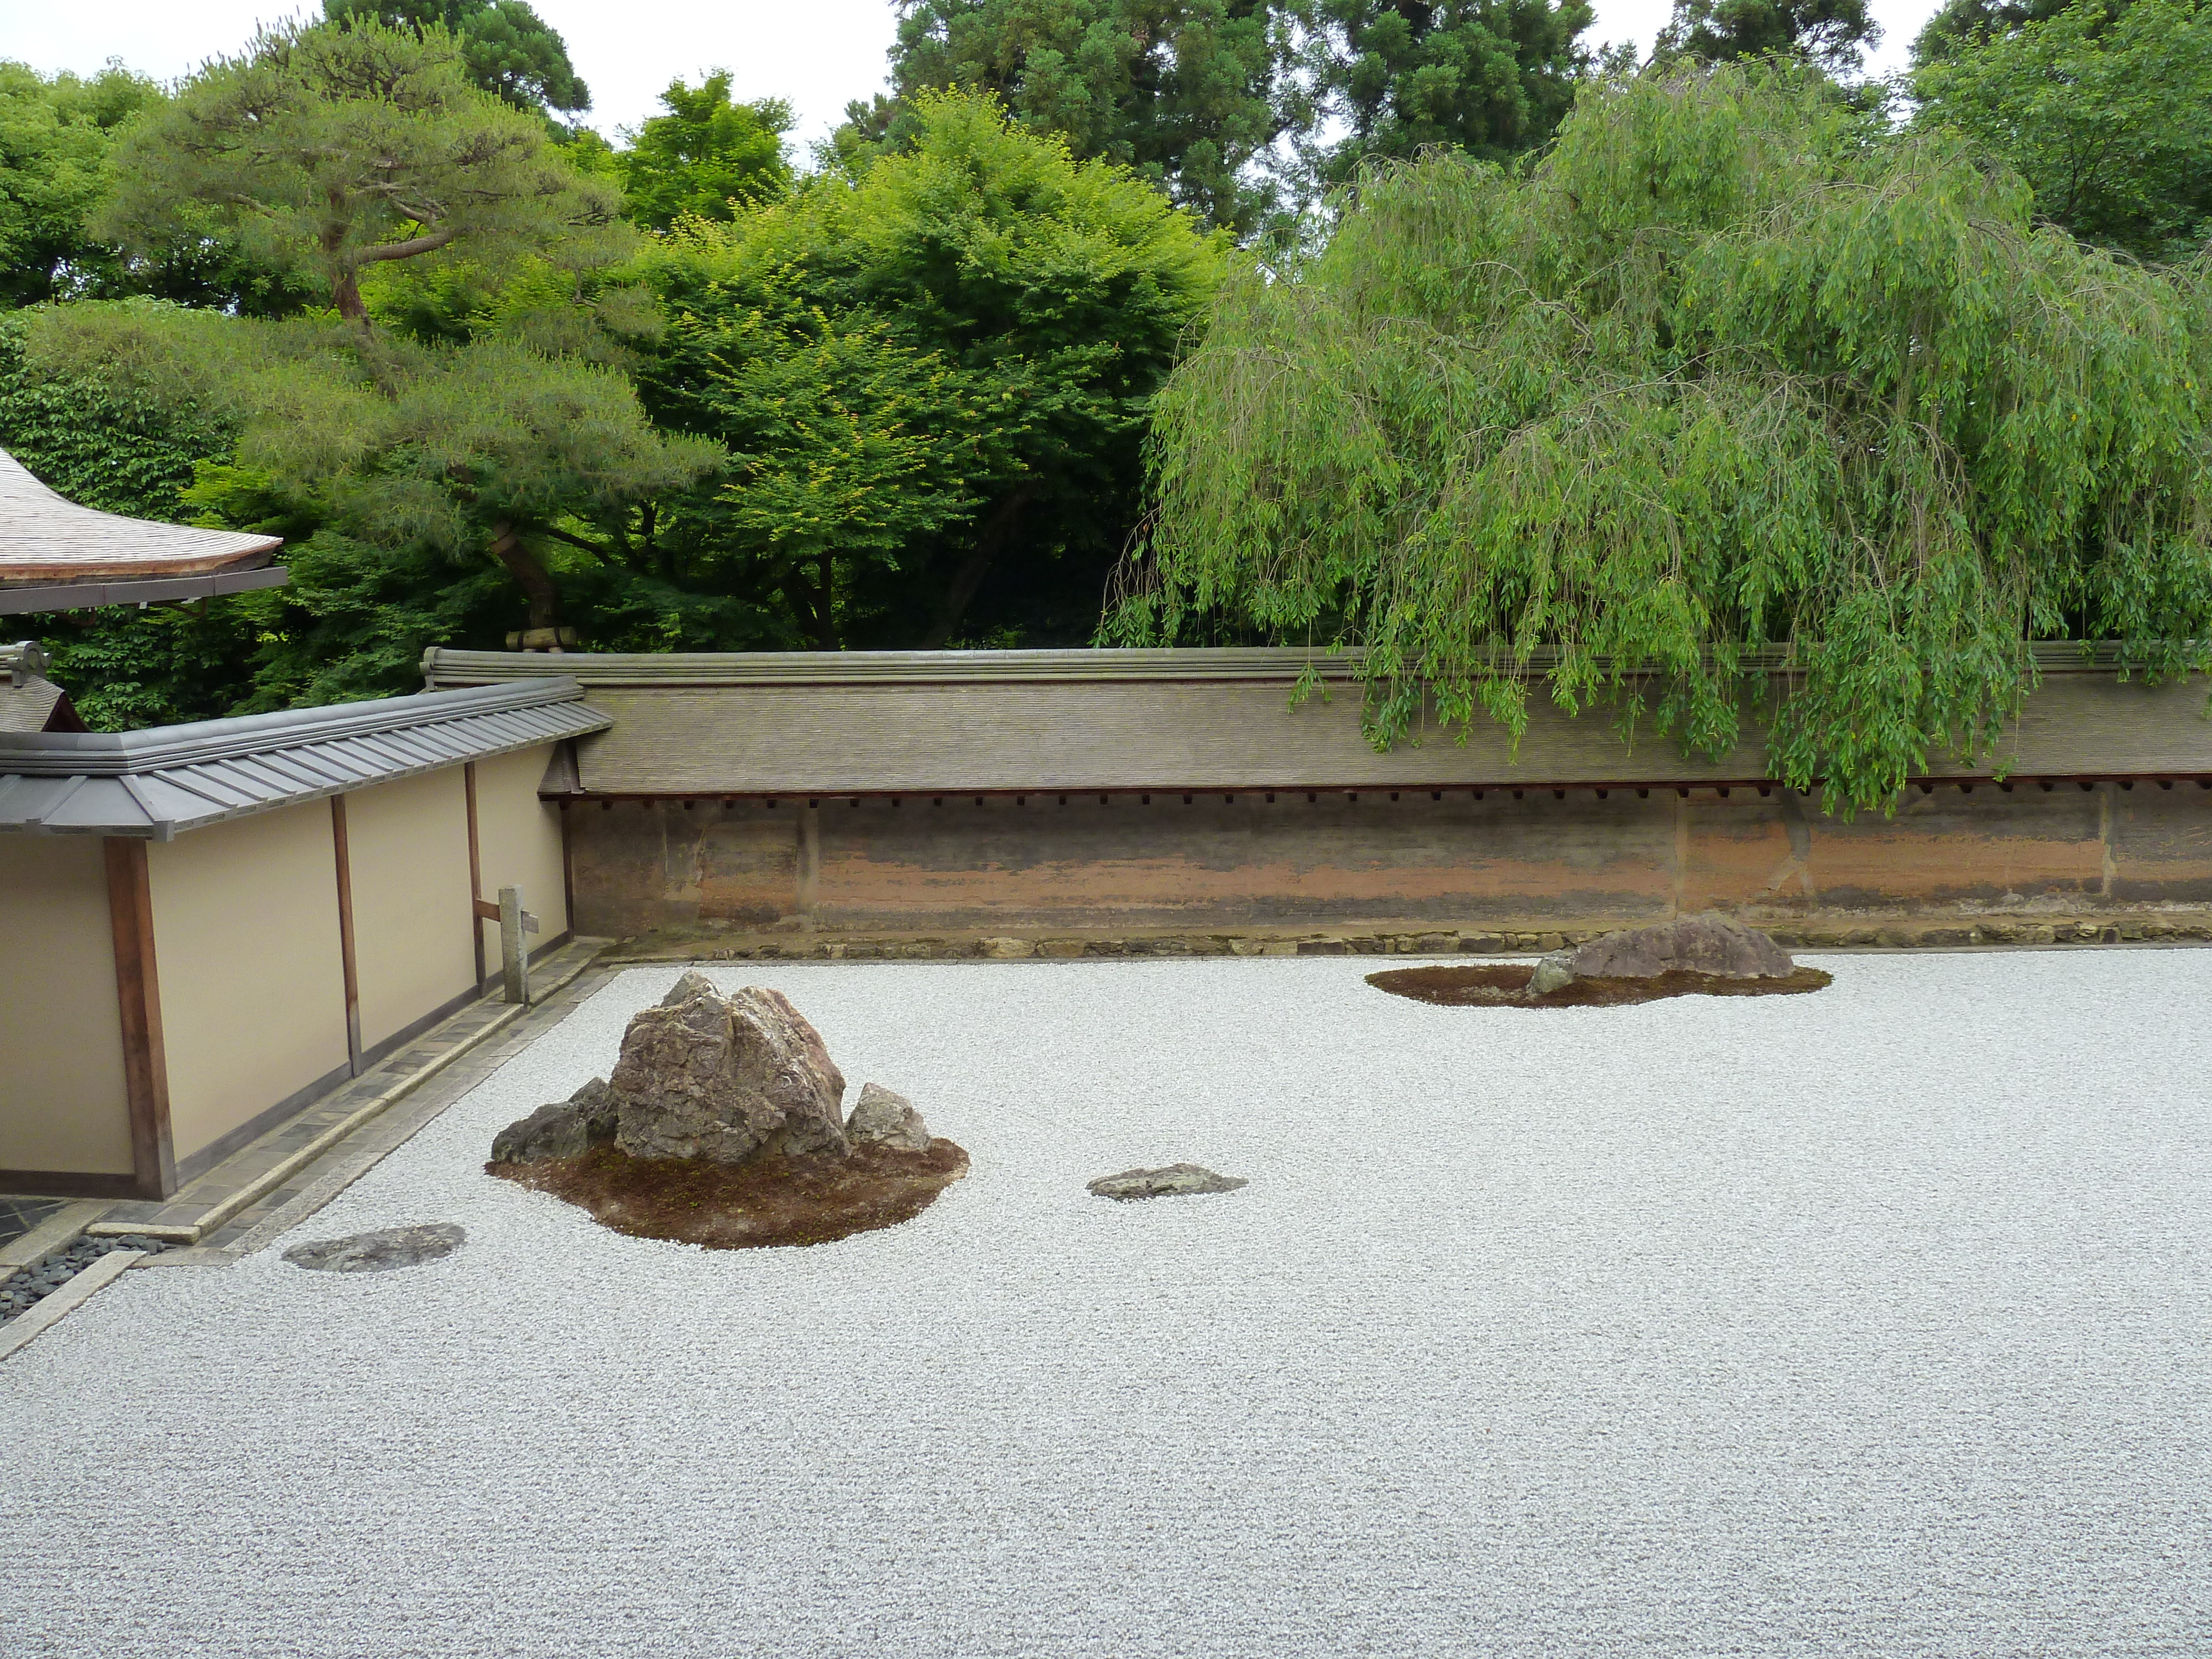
column 1961, row 22
column 1731, row 375
column 54, row 139
column 406, row 475
column 1490, row 77
column 332, row 148
column 933, row 380
column 131, row 454
column 1188, row 93
column 2103, row 114
column 707, row 156
column 1832, row 35
column 508, row 50
column 401, row 460
column 56, row 136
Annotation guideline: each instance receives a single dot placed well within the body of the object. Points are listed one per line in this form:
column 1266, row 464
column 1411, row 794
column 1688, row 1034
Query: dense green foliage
column 1490, row 77
column 933, row 382
column 54, row 139
column 507, row 48
column 1184, row 93
column 707, row 157
column 1728, row 370
column 420, row 486
column 1960, row 24
column 57, row 134
column 126, row 453
column 1832, row 35
column 1734, row 372
column 2107, row 116
column 332, row 148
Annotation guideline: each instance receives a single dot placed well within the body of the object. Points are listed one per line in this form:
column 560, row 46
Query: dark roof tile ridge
column 245, row 736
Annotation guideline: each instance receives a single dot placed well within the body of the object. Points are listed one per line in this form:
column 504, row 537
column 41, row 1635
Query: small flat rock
column 380, row 1252
column 1177, row 1180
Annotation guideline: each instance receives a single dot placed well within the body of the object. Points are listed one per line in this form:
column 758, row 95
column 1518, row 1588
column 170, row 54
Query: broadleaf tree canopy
column 933, row 380
column 705, row 156
column 2104, row 113
column 1729, row 369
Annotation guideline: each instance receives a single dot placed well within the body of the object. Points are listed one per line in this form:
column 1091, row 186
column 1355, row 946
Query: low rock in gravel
column 1709, row 943
column 884, row 1119
column 1175, row 1181
column 567, row 1129
column 380, row 1251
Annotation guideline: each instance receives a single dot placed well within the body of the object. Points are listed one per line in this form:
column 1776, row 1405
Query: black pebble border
column 22, row 1290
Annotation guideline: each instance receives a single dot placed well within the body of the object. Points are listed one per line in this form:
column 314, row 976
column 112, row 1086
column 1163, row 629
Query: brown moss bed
column 1505, row 985
column 735, row 1206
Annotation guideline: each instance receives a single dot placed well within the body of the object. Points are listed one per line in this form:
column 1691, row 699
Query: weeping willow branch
column 1728, row 371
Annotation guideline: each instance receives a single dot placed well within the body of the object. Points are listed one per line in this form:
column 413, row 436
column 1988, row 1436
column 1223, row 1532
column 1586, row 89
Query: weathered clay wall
column 1409, row 861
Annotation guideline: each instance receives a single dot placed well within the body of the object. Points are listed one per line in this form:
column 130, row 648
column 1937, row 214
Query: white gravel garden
column 1871, row 1322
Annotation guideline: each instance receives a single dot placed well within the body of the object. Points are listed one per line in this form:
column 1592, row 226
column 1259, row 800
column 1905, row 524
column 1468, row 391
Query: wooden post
column 345, row 933
column 476, row 873
column 138, row 999
column 514, row 949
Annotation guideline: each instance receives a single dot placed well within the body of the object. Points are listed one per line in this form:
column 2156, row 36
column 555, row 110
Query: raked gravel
column 1868, row 1322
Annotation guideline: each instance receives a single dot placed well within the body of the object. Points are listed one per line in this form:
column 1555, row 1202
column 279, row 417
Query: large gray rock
column 725, row 1078
column 1175, row 1181
column 1709, row 943
column 884, row 1119
column 567, row 1128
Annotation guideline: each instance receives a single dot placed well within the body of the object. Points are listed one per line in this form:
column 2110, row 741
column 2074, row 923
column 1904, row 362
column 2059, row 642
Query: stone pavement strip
column 259, row 1176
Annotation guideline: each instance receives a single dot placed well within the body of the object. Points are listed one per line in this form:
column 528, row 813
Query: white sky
column 817, row 53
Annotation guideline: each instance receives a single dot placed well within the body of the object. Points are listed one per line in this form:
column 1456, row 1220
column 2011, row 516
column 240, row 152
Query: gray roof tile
column 158, row 783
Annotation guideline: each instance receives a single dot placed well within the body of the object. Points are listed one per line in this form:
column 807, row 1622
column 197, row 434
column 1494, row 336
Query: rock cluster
column 567, row 1128
column 884, row 1119
column 725, row 1079
column 1709, row 943
column 722, row 1124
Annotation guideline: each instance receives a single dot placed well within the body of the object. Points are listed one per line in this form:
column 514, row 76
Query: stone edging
column 375, row 1149
column 20, row 1331
column 278, row 1174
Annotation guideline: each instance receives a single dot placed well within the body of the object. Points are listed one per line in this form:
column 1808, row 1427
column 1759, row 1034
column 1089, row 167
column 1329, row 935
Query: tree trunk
column 531, row 577
column 968, row 575
column 811, row 604
column 346, row 292
column 825, row 611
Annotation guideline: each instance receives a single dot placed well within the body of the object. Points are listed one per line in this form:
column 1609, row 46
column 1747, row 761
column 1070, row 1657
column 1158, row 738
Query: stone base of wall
column 2025, row 862
column 2164, row 928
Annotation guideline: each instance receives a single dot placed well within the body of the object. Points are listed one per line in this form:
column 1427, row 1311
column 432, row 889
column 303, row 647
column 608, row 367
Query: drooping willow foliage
column 1732, row 403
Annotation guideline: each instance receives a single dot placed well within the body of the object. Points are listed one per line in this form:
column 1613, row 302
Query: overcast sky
column 817, row 53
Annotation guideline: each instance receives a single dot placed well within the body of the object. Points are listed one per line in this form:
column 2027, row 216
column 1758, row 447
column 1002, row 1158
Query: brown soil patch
column 1506, row 986
column 734, row 1207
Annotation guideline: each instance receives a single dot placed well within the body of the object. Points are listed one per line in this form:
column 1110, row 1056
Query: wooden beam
column 475, row 872
column 138, row 1001
column 345, row 933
